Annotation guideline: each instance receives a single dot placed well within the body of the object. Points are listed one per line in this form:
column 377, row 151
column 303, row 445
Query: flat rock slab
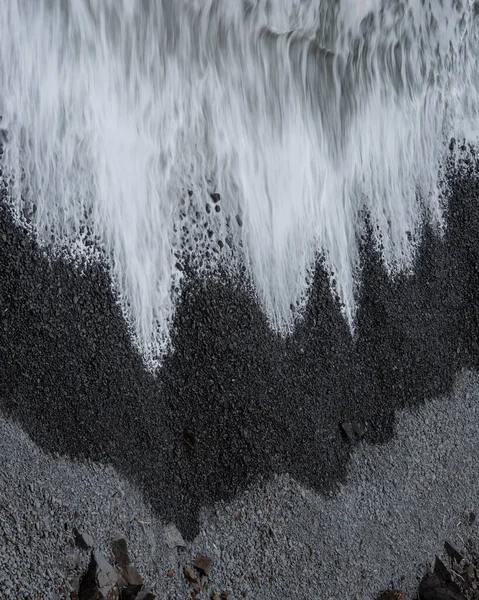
column 173, row 537
column 120, row 552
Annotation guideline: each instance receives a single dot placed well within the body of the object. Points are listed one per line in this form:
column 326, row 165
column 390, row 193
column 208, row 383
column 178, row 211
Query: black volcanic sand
column 233, row 402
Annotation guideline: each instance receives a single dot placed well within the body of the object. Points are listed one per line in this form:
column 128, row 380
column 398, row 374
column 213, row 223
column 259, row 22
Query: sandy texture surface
column 276, row 540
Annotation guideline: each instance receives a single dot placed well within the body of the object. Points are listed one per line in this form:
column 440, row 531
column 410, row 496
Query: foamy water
column 124, row 116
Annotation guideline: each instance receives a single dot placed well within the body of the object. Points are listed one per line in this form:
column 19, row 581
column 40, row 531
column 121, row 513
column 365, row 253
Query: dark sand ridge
column 233, row 402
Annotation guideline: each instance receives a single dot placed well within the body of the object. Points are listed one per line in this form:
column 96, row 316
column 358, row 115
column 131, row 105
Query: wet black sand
column 233, row 402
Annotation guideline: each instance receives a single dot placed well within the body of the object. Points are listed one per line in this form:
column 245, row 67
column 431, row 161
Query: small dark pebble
column 239, row 221
column 217, row 208
column 472, row 517
column 215, row 197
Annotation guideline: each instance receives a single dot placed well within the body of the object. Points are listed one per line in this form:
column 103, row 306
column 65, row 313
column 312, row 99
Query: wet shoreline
column 233, row 403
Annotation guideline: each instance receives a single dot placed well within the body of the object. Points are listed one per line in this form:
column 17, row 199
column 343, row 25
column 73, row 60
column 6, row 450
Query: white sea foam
column 301, row 114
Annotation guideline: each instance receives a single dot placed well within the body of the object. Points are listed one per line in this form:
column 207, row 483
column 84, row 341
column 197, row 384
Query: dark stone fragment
column 453, row 553
column 190, row 574
column 215, row 197
column 146, row 595
column 83, row 540
column 130, row 592
column 432, row 588
column 441, row 570
column 88, row 589
column 208, row 208
column 359, row 428
column 239, row 221
column 120, row 552
column 204, row 563
column 348, row 431
column 393, row 595
column 131, row 575
column 472, row 517
column 99, row 579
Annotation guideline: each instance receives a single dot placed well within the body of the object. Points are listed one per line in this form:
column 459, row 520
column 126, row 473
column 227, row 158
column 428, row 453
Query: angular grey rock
column 106, row 575
column 173, row 537
column 349, row 431
column 83, row 540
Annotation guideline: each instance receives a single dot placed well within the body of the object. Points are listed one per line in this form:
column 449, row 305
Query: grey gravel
column 390, row 518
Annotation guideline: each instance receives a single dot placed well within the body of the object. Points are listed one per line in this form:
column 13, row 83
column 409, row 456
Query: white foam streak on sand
column 301, row 114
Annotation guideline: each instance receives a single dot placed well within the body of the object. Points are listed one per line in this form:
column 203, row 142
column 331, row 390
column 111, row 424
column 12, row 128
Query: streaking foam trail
column 123, row 118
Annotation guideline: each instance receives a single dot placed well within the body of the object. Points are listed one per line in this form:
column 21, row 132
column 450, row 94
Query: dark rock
column 83, row 540
column 441, row 570
column 190, row 574
column 393, row 595
column 472, row 517
column 348, row 431
column 432, row 588
column 130, row 592
column 88, row 588
column 217, row 208
column 453, row 553
column 204, row 563
column 131, row 575
column 215, row 197
column 239, row 221
column 120, row 552
column 99, row 579
column 146, row 595
column 359, row 428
